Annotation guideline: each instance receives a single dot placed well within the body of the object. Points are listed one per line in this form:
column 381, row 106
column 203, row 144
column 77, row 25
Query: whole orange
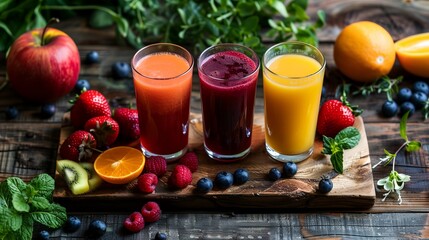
column 364, row 51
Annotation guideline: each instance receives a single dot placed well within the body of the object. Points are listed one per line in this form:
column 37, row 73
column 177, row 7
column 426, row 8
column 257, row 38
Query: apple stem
column 46, row 28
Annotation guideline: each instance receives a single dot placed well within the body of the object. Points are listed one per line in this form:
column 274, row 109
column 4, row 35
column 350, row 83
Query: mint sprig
column 347, row 138
column 22, row 204
column 395, row 181
column 383, row 84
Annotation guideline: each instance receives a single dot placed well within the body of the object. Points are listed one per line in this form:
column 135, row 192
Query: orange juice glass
column 162, row 76
column 292, row 80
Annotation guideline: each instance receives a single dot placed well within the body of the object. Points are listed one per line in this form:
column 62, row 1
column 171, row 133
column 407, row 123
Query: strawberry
column 135, row 222
column 147, row 182
column 156, row 165
column 78, row 146
column 151, row 212
column 89, row 104
column 334, row 116
column 128, row 121
column 104, row 128
column 181, row 177
column 190, row 160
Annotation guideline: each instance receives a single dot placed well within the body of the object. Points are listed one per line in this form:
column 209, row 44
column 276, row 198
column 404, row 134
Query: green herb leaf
column 280, row 7
column 19, row 202
column 40, row 203
column 413, row 146
column 54, row 218
column 15, row 185
column 44, row 184
column 337, row 161
column 403, row 126
column 348, row 138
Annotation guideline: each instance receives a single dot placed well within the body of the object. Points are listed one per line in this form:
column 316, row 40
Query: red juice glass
column 228, row 76
column 162, row 76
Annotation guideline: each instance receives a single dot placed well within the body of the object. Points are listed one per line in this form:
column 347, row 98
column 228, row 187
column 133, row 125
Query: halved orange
column 119, row 165
column 413, row 54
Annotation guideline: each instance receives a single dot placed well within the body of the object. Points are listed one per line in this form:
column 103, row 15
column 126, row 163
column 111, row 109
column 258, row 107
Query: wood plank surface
column 28, row 145
column 354, row 189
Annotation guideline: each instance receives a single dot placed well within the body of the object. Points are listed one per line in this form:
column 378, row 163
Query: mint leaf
column 337, row 161
column 14, row 220
column 55, row 217
column 15, row 185
column 26, row 231
column 5, row 198
column 413, row 146
column 44, row 184
column 19, row 202
column 40, row 203
column 348, row 138
column 403, row 126
column 5, row 216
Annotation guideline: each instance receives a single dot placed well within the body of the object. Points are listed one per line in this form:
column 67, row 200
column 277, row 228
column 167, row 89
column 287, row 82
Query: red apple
column 43, row 70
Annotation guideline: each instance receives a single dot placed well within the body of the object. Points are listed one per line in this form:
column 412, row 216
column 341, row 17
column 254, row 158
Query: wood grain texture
column 353, row 189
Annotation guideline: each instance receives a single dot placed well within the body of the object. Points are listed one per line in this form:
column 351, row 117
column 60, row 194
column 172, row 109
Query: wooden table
column 28, row 144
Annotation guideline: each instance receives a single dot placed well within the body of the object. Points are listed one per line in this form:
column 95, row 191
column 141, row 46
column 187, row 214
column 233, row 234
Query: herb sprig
column 347, row 138
column 395, row 181
column 21, row 205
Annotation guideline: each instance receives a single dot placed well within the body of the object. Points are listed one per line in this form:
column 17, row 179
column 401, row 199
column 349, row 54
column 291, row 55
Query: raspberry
column 147, row 182
column 181, row 177
column 156, row 165
column 151, row 212
column 134, row 222
column 190, row 160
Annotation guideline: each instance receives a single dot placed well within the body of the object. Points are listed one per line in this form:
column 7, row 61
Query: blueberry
column 97, row 228
column 160, row 236
column 323, row 91
column 92, row 57
column 224, row 180
column 407, row 107
column 47, row 110
column 421, row 86
column 325, row 185
column 12, row 112
column 241, row 176
column 404, row 94
column 43, row 235
column 289, row 169
column 121, row 70
column 82, row 84
column 72, row 224
column 204, row 185
column 419, row 99
column 274, row 174
column 389, row 108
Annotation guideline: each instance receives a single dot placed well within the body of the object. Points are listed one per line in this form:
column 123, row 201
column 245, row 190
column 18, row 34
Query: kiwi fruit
column 75, row 176
column 94, row 180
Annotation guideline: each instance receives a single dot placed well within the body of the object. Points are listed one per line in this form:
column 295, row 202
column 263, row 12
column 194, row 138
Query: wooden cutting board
column 354, row 189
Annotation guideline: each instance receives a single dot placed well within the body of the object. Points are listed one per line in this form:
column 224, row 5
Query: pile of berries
column 97, row 126
column 223, row 180
column 135, row 222
column 407, row 100
column 156, row 167
column 95, row 229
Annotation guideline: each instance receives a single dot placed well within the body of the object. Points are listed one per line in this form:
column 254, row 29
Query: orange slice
column 119, row 165
column 413, row 54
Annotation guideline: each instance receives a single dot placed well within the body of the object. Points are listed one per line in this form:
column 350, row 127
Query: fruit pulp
column 413, row 54
column 162, row 83
column 291, row 103
column 228, row 86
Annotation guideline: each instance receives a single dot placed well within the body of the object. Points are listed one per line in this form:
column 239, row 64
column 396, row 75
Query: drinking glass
column 292, row 80
column 228, row 77
column 162, row 76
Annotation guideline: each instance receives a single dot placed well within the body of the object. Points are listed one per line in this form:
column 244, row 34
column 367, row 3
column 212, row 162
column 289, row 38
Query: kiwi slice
column 75, row 176
column 94, row 180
